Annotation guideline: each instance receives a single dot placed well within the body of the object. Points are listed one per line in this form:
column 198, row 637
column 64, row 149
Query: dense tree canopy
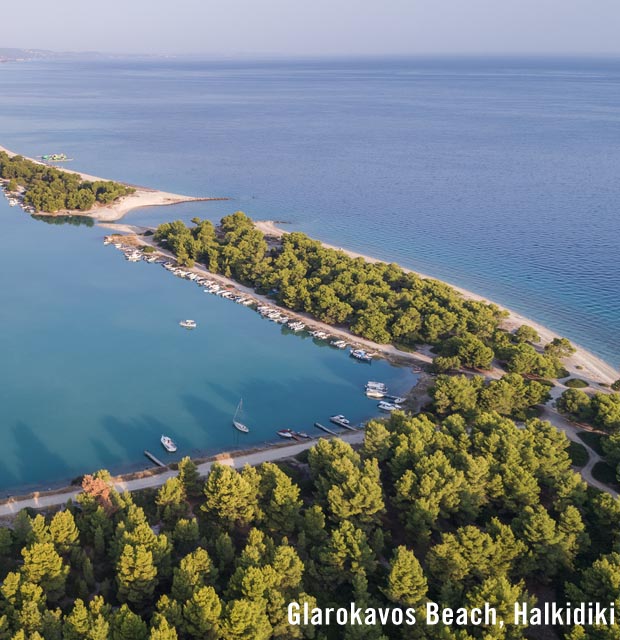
column 48, row 189
column 376, row 300
column 459, row 510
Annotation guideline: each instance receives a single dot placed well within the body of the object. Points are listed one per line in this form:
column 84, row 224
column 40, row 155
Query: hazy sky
column 310, row 27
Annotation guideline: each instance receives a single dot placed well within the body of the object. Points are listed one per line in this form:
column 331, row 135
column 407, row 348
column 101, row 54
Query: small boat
column 296, row 326
column 239, row 425
column 285, row 433
column 375, row 393
column 388, row 407
column 340, row 420
column 376, row 385
column 396, row 399
column 339, row 344
column 361, row 355
column 319, row 335
column 168, row 444
column 188, row 324
column 303, row 434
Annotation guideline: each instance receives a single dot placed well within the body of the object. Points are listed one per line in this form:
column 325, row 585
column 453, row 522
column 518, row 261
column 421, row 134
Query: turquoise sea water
column 497, row 175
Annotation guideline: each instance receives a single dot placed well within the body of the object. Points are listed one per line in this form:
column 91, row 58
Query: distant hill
column 21, row 55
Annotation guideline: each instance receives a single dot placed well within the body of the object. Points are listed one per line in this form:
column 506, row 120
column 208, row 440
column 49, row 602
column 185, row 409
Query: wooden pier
column 151, row 457
column 318, row 425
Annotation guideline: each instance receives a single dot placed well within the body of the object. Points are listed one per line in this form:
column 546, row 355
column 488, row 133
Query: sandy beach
column 582, row 364
column 142, row 197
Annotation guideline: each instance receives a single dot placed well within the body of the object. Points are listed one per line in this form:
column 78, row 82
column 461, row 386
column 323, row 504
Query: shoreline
column 156, row 476
column 142, row 197
column 594, row 368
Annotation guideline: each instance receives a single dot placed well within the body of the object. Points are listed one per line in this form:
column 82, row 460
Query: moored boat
column 388, row 407
column 236, row 423
column 285, row 433
column 340, row 420
column 375, row 393
column 168, row 444
column 361, row 355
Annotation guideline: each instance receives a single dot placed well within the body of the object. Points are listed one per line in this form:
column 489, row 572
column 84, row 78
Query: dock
column 349, row 427
column 151, row 457
column 318, row 425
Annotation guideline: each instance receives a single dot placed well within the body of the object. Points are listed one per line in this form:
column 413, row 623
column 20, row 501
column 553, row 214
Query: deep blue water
column 497, row 175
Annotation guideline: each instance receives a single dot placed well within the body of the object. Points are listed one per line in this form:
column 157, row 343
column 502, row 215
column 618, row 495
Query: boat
column 239, row 425
column 340, row 420
column 285, row 433
column 303, row 434
column 339, row 344
column 388, row 407
column 361, row 355
column 296, row 326
column 188, row 324
column 319, row 335
column 396, row 399
column 376, row 385
column 55, row 157
column 375, row 393
column 168, row 444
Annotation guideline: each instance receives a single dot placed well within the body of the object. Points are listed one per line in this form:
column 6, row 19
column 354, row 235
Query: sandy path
column 142, row 197
column 594, row 370
column 231, row 460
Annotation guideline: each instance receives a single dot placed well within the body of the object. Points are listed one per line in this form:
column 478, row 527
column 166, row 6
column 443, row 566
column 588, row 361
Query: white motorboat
column 340, row 420
column 375, row 393
column 168, row 444
column 188, row 324
column 376, row 385
column 285, row 433
column 388, row 407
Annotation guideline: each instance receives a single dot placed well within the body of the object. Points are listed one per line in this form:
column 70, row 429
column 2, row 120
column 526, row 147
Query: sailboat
column 239, row 425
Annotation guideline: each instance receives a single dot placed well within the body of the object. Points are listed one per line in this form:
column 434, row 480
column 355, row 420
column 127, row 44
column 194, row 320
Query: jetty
column 318, row 425
column 152, row 458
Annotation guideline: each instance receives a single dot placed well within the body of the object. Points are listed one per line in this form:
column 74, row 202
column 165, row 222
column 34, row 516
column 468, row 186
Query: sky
column 315, row 27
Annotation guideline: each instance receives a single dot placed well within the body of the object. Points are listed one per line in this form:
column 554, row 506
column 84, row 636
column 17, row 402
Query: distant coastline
column 142, row 197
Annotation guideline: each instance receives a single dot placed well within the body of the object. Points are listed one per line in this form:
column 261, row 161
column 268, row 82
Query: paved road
column 255, row 458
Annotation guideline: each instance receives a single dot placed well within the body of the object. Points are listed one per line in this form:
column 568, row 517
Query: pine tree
column 136, row 575
column 190, row 478
column 171, row 501
column 230, row 498
column 279, row 499
column 406, row 581
column 43, row 566
column 195, row 570
column 63, row 531
column 185, row 535
column 162, row 630
column 246, row 620
column 126, row 625
column 201, row 614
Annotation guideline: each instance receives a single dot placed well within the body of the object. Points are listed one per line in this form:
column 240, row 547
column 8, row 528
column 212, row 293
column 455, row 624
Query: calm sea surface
column 497, row 175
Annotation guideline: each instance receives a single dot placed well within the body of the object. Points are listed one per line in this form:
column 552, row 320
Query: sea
column 495, row 174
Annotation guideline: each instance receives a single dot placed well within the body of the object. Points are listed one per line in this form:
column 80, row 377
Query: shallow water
column 497, row 175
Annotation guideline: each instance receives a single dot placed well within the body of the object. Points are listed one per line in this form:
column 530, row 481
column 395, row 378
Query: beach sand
column 142, row 197
column 582, row 364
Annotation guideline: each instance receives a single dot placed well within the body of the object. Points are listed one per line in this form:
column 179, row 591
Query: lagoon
column 496, row 175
